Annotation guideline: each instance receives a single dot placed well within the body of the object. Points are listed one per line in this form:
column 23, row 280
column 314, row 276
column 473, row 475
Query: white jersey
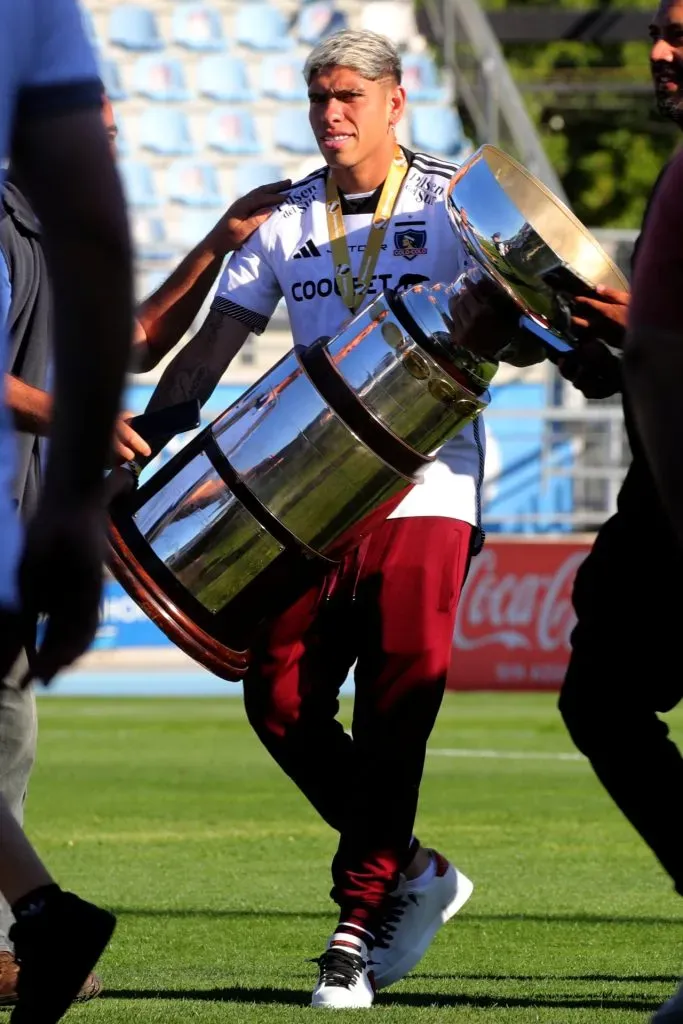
column 290, row 256
column 46, row 67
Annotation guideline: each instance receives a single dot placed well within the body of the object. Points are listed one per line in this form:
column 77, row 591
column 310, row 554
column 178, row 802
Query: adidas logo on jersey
column 307, row 251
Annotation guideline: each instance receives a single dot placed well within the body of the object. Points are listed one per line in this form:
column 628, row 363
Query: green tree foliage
column 594, row 109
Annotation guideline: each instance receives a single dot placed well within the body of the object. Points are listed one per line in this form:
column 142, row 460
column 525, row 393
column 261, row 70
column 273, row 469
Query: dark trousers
column 391, row 609
column 625, row 666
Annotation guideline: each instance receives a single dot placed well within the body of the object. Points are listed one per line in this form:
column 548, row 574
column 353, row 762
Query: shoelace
column 396, row 908
column 339, row 967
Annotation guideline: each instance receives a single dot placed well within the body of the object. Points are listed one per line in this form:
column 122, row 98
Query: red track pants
column 390, row 606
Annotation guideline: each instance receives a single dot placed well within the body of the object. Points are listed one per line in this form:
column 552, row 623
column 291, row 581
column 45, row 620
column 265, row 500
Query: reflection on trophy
column 326, row 444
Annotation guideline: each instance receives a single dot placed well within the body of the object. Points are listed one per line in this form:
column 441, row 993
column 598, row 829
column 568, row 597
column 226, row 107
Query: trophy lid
column 526, row 237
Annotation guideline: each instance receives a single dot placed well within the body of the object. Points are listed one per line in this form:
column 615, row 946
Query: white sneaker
column 414, row 918
column 345, row 983
column 671, row 1012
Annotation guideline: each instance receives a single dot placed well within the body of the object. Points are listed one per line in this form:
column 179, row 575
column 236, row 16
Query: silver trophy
column 326, row 444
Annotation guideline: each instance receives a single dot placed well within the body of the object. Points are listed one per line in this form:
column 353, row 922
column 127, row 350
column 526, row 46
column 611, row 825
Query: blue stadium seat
column 224, row 78
column 251, row 175
column 319, row 20
column 110, row 73
column 159, row 78
column 262, row 27
column 438, row 130
column 149, row 238
column 282, row 78
column 193, row 184
column 165, row 130
column 293, row 132
column 89, row 25
column 232, row 131
column 122, row 143
column 138, row 184
column 134, row 28
column 421, row 78
column 197, row 26
column 194, row 225
column 148, row 283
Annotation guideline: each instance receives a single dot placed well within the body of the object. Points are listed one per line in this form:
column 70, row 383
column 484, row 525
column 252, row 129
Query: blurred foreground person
column 628, row 622
column 160, row 320
column 653, row 377
column 50, row 125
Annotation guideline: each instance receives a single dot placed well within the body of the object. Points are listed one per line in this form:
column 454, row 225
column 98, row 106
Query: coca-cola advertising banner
column 515, row 615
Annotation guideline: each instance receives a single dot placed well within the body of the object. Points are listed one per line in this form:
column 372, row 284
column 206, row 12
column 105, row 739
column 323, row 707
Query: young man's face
column 350, row 115
column 666, row 59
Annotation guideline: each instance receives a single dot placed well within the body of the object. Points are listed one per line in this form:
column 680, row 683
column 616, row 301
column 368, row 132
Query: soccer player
column 390, row 607
column 50, row 125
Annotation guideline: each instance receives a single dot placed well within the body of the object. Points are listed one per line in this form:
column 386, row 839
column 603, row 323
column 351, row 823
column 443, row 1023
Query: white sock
column 352, row 935
column 422, row 881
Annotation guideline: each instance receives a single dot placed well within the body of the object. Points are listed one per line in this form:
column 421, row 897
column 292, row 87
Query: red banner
column 515, row 615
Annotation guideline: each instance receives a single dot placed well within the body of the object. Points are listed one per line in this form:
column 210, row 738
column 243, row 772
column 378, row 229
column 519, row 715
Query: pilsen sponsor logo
column 520, row 611
column 299, row 200
column 424, row 188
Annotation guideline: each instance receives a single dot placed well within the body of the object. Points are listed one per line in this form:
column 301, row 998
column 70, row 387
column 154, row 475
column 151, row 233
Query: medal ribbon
column 343, row 271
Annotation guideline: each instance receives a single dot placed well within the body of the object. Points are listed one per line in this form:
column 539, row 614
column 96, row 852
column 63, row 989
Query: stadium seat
column 193, row 226
column 293, row 132
column 122, row 141
column 232, row 131
column 149, row 238
column 165, row 130
column 392, row 18
column 282, row 78
column 251, row 175
column 438, row 130
column 421, row 78
column 89, row 25
column 110, row 73
column 319, row 20
column 159, row 78
column 197, row 26
column 138, row 183
column 193, row 184
column 148, row 283
column 224, row 78
column 262, row 27
column 134, row 28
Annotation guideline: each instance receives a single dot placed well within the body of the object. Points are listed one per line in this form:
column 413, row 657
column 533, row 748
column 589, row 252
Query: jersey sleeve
column 61, row 74
column 248, row 289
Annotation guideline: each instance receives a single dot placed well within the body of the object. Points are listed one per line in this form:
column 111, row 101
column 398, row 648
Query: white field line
column 506, row 755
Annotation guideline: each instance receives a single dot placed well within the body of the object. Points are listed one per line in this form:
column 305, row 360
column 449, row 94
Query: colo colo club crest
column 410, row 241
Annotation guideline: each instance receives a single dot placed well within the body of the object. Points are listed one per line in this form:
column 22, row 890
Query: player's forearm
column 31, row 408
column 197, row 369
column 167, row 315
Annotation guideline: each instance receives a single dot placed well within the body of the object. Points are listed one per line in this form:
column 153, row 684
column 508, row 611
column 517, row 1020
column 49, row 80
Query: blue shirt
column 47, row 67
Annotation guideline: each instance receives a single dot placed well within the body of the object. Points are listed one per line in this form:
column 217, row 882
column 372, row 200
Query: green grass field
column 169, row 812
